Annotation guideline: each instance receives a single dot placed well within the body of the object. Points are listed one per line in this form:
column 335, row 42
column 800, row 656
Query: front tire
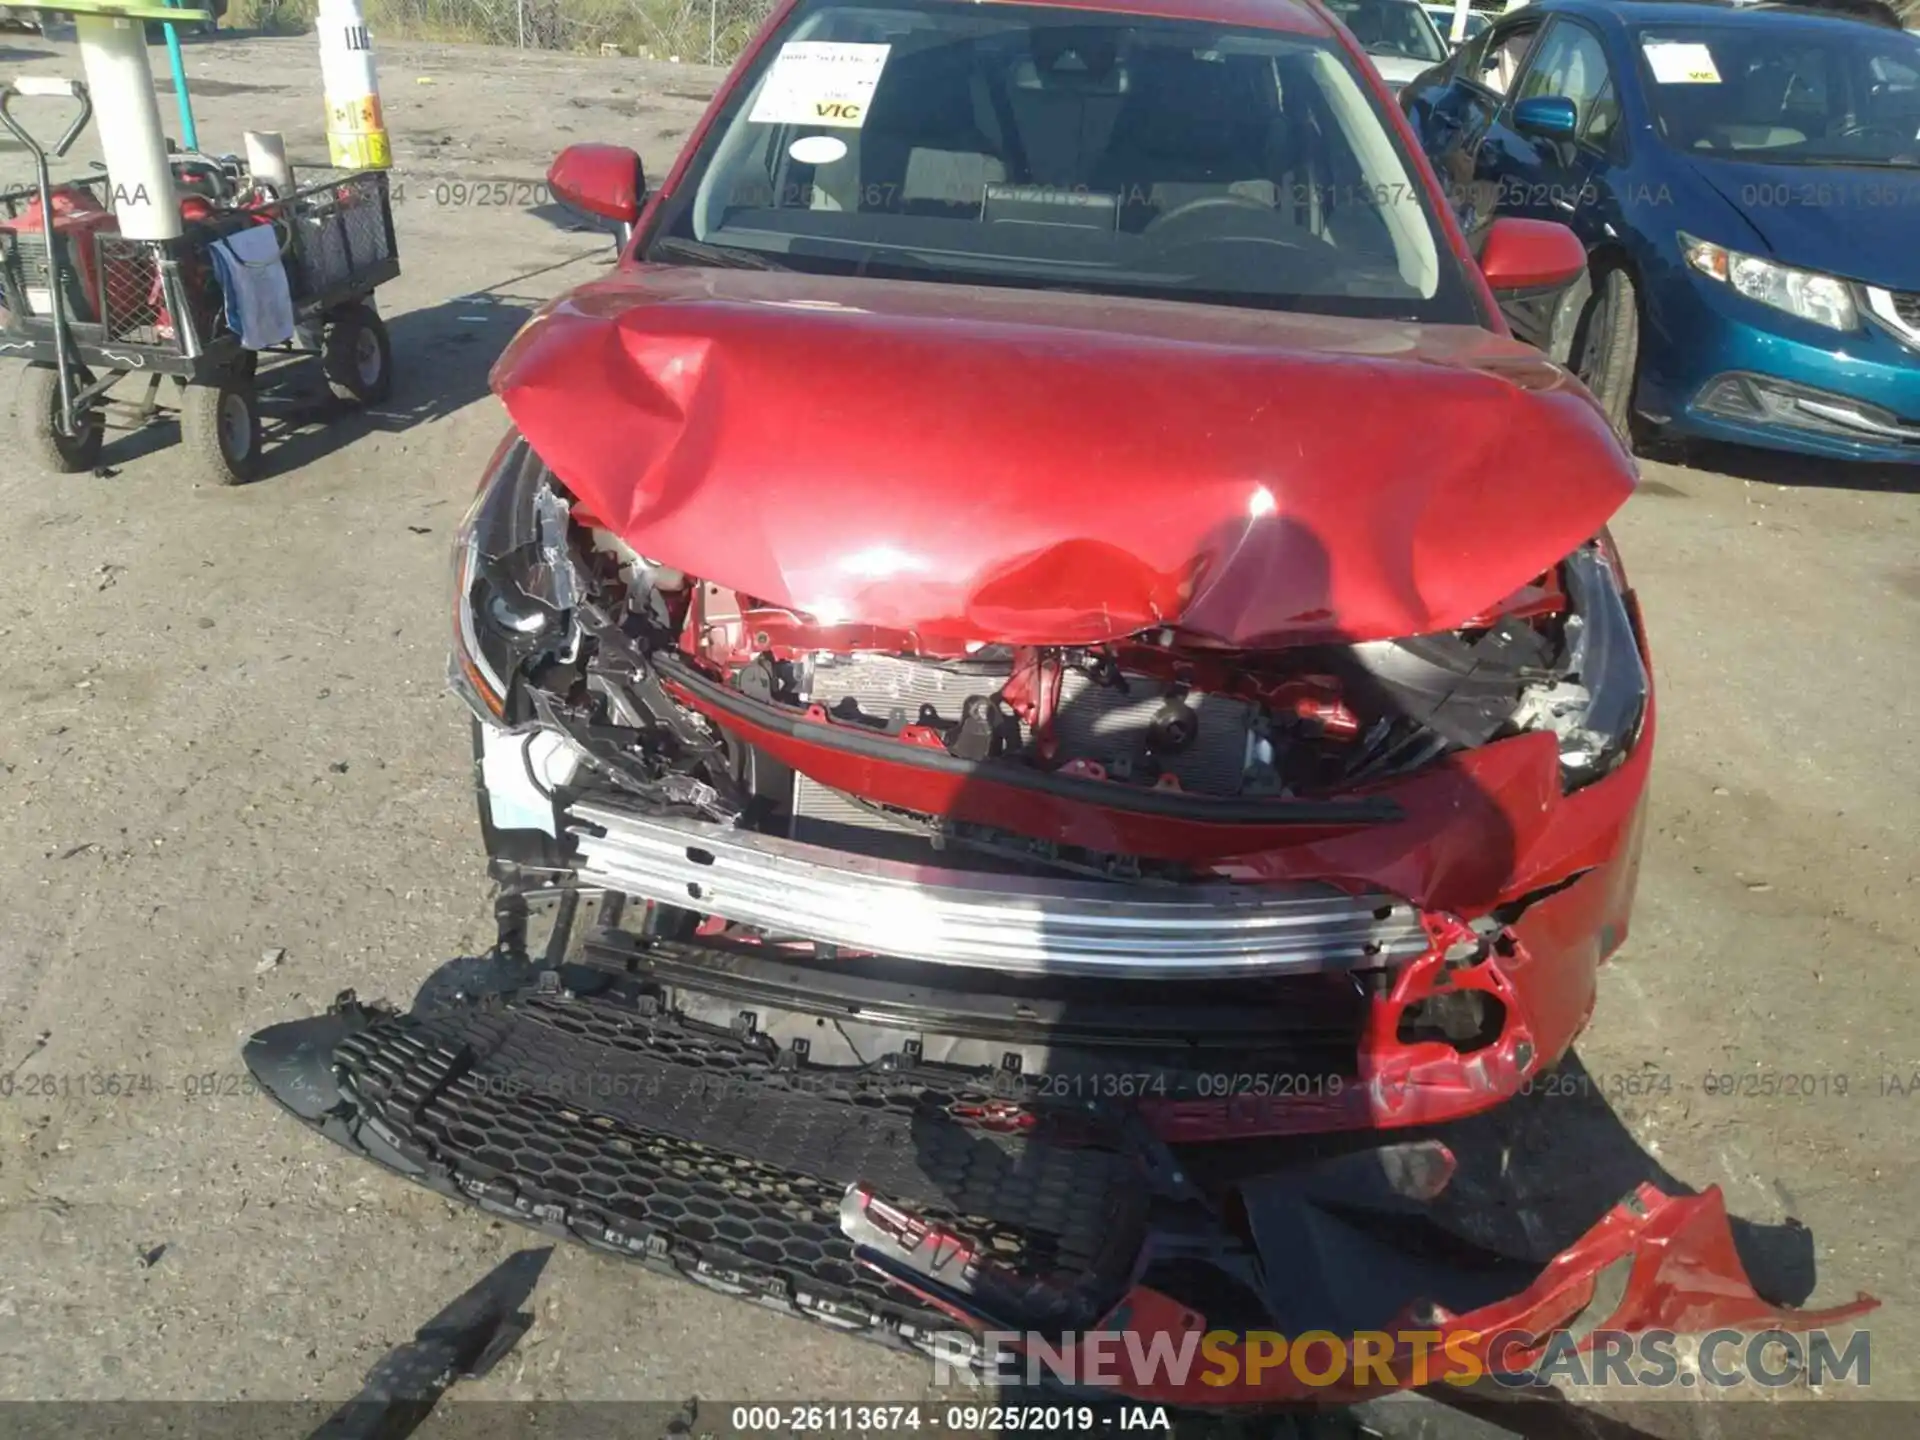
column 220, row 426
column 1606, row 347
column 36, row 411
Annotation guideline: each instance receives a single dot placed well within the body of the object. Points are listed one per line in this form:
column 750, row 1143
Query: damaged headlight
column 514, row 582
column 1596, row 706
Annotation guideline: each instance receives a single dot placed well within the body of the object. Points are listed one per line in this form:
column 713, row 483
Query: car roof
column 1683, row 12
column 1298, row 17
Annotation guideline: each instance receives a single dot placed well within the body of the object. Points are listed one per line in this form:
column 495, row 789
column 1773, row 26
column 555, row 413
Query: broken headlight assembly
column 513, row 583
column 1597, row 701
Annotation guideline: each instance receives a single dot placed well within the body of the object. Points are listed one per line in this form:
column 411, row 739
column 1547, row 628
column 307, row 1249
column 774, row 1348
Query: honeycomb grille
column 671, row 1142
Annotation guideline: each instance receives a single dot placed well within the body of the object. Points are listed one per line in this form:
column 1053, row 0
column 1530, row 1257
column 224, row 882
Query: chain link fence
column 693, row 31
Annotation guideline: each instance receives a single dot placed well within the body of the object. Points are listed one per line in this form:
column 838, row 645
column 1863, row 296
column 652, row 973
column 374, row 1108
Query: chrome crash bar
column 992, row 922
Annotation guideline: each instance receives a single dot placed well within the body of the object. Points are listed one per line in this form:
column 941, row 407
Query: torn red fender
column 1654, row 1262
column 1400, row 1083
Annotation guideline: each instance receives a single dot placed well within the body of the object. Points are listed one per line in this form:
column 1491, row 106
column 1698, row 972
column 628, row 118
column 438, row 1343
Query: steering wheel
column 1226, row 200
column 1858, row 128
column 1163, row 235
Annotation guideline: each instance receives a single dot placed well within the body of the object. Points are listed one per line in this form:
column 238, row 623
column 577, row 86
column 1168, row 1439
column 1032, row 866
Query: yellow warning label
column 359, row 150
column 360, row 113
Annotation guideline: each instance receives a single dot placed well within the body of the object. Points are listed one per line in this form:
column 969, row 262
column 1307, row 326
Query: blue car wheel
column 1606, row 347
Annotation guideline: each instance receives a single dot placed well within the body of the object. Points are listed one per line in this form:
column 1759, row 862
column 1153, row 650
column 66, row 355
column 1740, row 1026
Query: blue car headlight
column 1823, row 299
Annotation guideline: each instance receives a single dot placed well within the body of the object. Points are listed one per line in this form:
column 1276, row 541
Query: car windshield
column 1787, row 92
column 1399, row 28
column 1066, row 149
column 1442, row 16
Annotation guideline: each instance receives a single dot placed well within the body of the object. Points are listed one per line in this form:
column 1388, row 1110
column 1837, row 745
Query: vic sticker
column 820, row 82
column 1676, row 62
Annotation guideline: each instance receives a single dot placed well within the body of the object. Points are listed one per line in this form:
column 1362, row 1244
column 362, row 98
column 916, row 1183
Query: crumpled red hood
column 1031, row 467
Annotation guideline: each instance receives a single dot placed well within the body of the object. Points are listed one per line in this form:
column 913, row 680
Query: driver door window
column 1571, row 63
column 1497, row 62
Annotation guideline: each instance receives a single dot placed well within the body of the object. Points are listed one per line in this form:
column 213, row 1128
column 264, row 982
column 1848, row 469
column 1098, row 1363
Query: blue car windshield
column 1788, row 93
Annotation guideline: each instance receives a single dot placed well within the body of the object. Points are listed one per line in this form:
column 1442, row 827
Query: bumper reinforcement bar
column 987, row 921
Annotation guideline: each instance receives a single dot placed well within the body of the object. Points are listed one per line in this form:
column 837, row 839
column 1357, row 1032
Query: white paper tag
column 820, row 82
column 818, row 149
column 1676, row 62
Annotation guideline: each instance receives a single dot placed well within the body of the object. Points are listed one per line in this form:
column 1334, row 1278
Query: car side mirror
column 603, row 180
column 1530, row 255
column 1548, row 117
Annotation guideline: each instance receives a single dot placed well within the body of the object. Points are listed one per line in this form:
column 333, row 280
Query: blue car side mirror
column 1552, row 117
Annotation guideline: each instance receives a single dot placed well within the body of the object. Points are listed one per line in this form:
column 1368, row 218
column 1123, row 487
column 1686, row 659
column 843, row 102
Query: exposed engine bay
column 660, row 680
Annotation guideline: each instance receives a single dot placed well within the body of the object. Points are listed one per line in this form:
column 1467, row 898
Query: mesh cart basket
column 84, row 307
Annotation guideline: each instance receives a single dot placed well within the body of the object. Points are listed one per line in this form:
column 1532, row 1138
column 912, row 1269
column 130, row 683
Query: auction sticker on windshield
column 820, row 82
column 1676, row 62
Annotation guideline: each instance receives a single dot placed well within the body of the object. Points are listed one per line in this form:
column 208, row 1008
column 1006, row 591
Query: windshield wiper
column 1832, row 162
column 699, row 252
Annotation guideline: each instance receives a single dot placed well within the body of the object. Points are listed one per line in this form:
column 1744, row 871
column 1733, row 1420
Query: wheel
column 36, row 410
column 357, row 356
column 1606, row 347
column 220, row 426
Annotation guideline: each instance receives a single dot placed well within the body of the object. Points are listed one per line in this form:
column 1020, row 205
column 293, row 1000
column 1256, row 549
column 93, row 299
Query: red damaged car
column 1036, row 630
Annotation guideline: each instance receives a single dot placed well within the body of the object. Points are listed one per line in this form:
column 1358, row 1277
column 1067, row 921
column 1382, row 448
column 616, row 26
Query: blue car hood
column 1856, row 221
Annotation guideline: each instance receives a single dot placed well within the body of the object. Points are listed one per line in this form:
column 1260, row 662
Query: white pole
column 712, row 33
column 356, row 127
column 1461, row 9
column 520, row 15
column 113, row 49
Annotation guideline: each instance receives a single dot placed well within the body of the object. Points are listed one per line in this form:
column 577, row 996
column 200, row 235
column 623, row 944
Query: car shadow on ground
column 441, row 356
column 1778, row 467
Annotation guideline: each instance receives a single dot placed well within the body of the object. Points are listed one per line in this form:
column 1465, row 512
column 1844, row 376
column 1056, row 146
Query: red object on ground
column 1682, row 1275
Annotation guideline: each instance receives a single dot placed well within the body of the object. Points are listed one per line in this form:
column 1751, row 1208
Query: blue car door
column 1549, row 177
column 1453, row 121
column 1564, row 178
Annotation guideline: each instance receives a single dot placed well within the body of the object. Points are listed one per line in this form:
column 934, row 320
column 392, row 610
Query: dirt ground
column 232, row 784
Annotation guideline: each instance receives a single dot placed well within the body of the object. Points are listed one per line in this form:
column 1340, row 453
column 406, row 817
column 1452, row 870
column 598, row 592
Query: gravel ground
column 231, row 785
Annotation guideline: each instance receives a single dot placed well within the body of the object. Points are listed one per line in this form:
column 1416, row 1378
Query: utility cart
column 84, row 307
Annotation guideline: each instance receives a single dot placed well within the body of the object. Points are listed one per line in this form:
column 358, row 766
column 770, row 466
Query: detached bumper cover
column 902, row 1201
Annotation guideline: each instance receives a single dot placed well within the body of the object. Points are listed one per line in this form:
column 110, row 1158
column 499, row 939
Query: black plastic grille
column 565, row 1108
column 1907, row 307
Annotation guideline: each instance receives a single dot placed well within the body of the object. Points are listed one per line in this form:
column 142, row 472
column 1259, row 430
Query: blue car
column 1746, row 179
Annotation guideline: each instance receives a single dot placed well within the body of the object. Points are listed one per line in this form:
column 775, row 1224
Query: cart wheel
column 36, row 411
column 220, row 426
column 357, row 356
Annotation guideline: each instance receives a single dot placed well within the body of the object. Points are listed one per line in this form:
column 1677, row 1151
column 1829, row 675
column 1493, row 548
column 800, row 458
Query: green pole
column 188, row 137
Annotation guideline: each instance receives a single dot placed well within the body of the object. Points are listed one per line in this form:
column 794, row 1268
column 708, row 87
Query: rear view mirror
column 603, row 180
column 1531, row 255
column 1550, row 117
